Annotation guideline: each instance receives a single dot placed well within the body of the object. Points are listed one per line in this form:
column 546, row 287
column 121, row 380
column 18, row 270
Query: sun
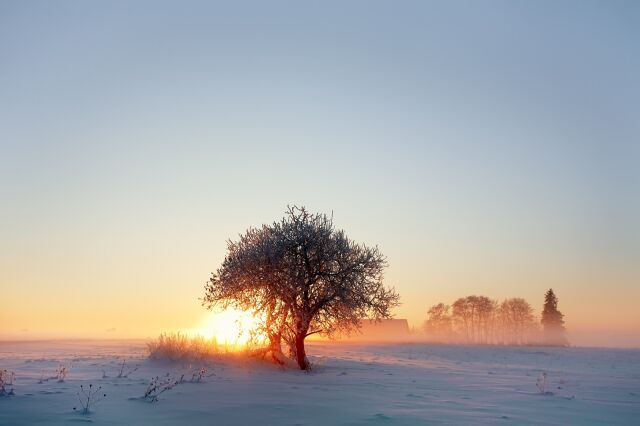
column 231, row 328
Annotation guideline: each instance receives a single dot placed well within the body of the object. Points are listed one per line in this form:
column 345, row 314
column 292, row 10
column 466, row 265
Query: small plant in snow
column 542, row 384
column 61, row 373
column 199, row 375
column 6, row 382
column 88, row 397
column 124, row 370
column 158, row 386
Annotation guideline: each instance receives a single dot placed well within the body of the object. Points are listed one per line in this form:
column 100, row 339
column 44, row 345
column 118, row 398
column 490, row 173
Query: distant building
column 387, row 330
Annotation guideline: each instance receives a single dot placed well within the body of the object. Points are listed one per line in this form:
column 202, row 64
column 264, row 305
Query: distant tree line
column 481, row 320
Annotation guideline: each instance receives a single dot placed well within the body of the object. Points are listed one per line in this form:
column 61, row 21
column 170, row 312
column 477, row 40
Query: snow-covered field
column 403, row 384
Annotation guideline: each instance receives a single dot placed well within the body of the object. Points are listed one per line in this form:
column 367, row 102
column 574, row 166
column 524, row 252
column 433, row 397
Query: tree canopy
column 303, row 276
column 479, row 319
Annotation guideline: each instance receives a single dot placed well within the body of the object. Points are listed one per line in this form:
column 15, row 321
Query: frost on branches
column 303, row 276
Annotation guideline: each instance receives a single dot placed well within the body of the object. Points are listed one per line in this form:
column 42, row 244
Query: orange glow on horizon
column 232, row 328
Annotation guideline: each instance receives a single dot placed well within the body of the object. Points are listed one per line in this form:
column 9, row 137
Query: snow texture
column 350, row 384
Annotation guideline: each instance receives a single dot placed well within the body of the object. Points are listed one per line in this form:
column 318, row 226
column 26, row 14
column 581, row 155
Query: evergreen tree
column 553, row 320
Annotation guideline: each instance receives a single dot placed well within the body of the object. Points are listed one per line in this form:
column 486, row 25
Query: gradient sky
column 486, row 147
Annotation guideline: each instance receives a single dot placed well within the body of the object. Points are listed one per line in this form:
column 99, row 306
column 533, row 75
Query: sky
column 486, row 147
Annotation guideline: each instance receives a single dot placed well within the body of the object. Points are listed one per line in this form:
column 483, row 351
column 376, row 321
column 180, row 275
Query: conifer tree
column 553, row 320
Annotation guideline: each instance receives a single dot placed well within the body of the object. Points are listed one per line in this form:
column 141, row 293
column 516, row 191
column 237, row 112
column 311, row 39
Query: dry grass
column 181, row 347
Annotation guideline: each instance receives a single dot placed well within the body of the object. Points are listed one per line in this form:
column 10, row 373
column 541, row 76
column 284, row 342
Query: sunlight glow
column 231, row 328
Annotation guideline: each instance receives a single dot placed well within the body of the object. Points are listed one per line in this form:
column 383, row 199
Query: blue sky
column 486, row 147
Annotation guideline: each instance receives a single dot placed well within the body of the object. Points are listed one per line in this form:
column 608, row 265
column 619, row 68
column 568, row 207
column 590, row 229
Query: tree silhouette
column 473, row 318
column 552, row 320
column 462, row 316
column 481, row 320
column 516, row 318
column 305, row 277
column 438, row 323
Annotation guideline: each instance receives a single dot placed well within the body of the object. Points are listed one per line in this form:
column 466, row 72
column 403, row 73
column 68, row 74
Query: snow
column 352, row 384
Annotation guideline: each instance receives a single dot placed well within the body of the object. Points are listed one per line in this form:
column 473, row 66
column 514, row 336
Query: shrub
column 6, row 382
column 180, row 347
column 61, row 373
column 542, row 384
column 124, row 370
column 88, row 397
column 199, row 375
column 158, row 385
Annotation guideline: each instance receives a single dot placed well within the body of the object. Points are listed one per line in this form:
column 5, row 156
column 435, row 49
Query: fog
column 399, row 331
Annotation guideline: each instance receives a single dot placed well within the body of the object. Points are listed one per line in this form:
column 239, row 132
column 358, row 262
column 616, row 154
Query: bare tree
column 479, row 319
column 482, row 309
column 438, row 323
column 473, row 317
column 246, row 281
column 305, row 276
column 462, row 315
column 516, row 317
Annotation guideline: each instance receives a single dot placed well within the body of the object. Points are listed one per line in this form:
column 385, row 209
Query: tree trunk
column 276, row 320
column 275, row 348
column 301, row 355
